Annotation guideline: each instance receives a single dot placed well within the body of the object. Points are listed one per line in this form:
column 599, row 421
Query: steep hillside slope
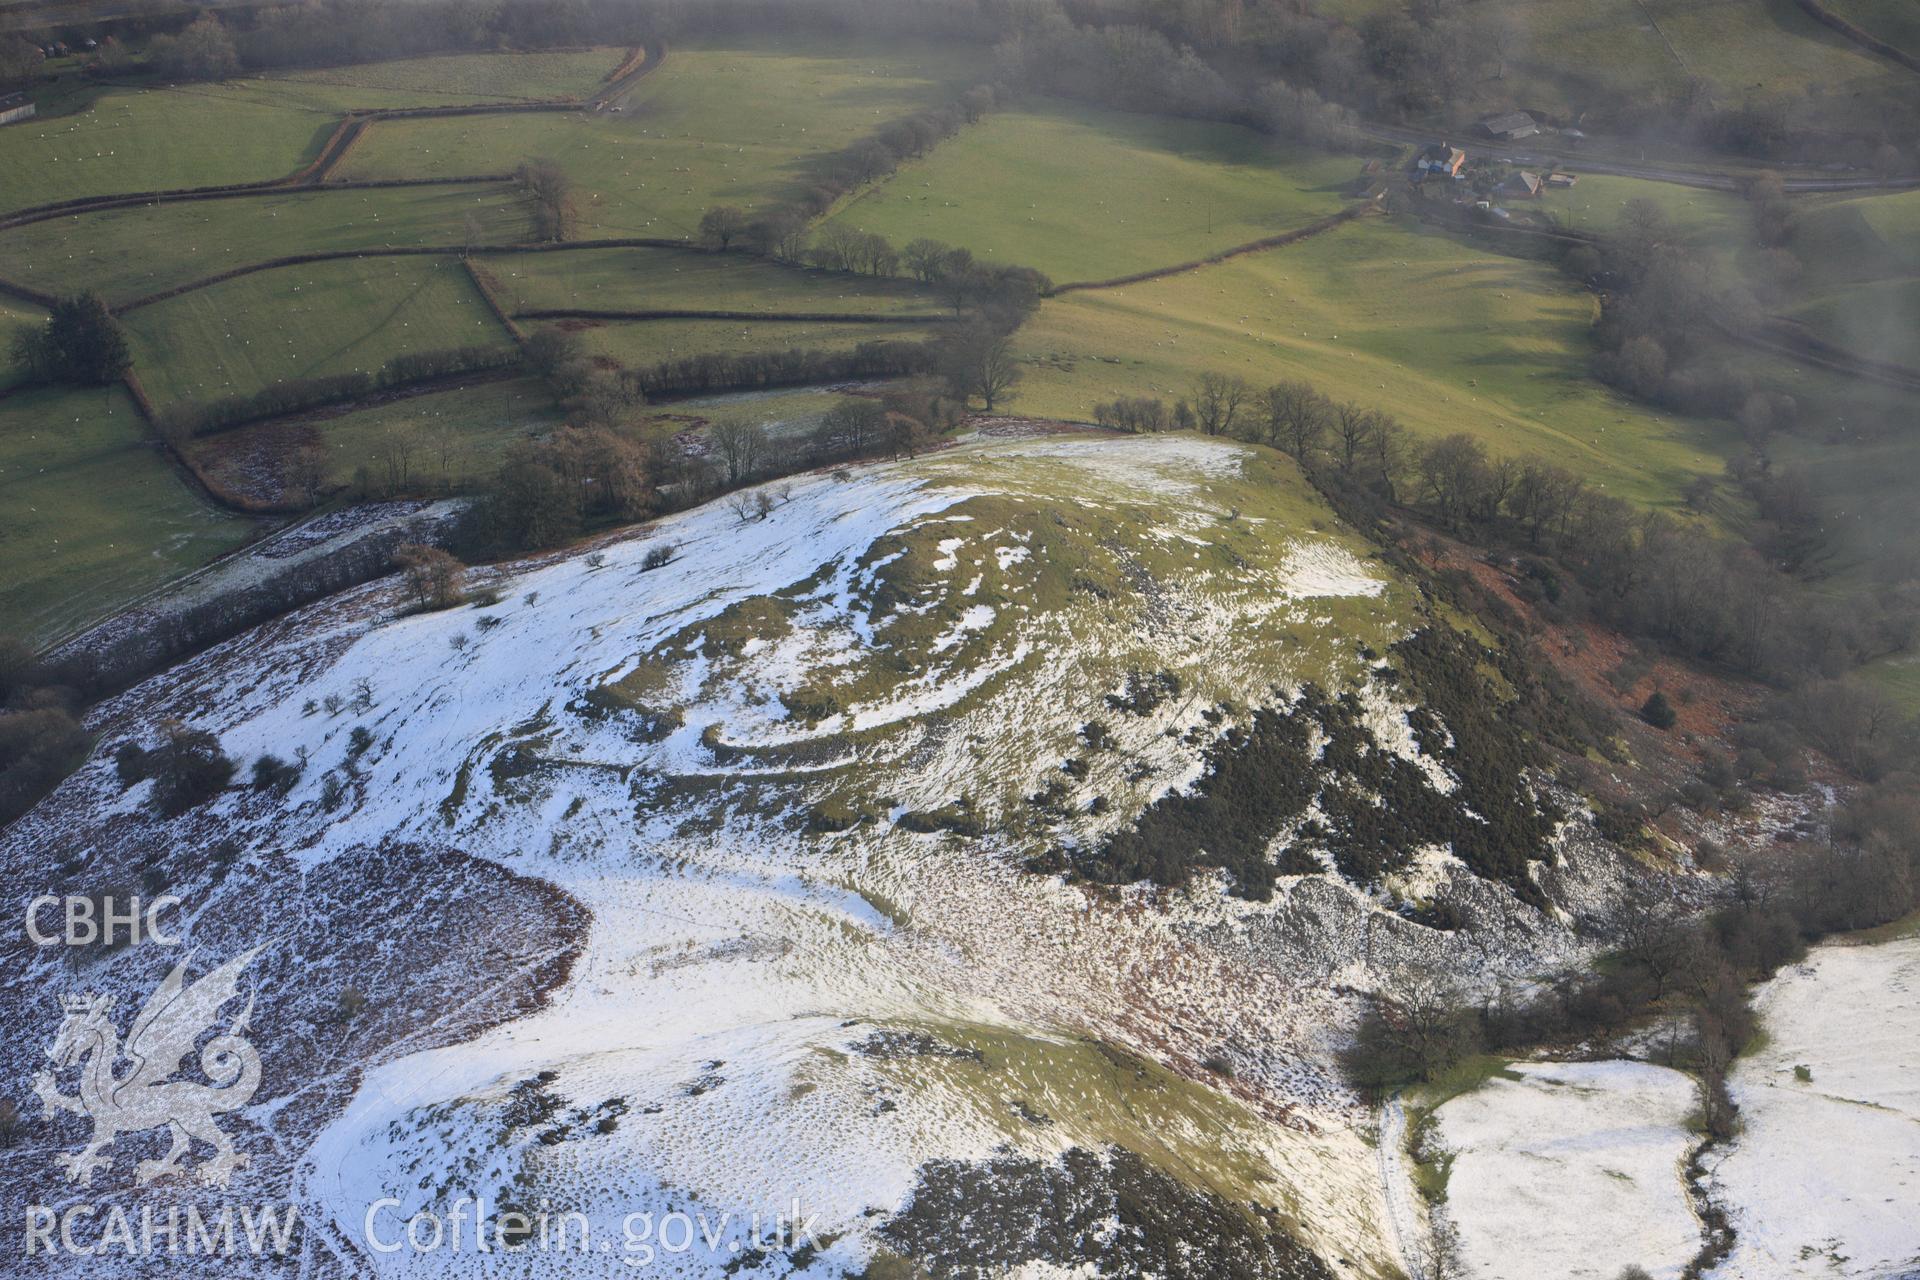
column 774, row 832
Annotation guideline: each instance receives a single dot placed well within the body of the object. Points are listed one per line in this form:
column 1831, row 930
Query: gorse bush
column 188, row 768
column 1375, row 808
column 41, row 740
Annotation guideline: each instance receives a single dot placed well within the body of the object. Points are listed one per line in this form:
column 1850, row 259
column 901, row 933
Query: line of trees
column 549, row 191
column 1658, row 333
column 549, row 492
column 182, row 422
column 738, row 371
column 781, row 231
column 1138, row 68
column 1591, row 554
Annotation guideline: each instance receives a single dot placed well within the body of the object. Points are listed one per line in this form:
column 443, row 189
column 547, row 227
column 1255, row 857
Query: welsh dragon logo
column 145, row 1095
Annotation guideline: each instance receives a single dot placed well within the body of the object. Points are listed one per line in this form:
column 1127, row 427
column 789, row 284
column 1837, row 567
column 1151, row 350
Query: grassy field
column 307, row 321
column 635, row 343
column 1894, row 216
column 152, row 139
column 1568, row 56
column 1895, row 21
column 91, row 516
column 1445, row 337
column 450, row 437
column 1703, row 217
column 1899, row 678
column 1880, row 319
column 128, row 253
column 1572, row 47
column 1118, row 192
column 1859, row 256
column 628, row 279
column 467, row 77
column 1768, row 46
column 735, row 125
column 780, row 412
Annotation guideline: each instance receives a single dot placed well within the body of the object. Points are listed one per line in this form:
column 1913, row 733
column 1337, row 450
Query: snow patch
column 1574, row 1170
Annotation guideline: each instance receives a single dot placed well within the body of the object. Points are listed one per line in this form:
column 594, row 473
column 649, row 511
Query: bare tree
column 551, row 191
column 979, row 361
column 1296, row 419
column 721, row 225
column 434, row 578
column 305, row 473
column 1217, row 400
column 398, row 445
column 740, row 445
column 926, row 259
column 1353, row 429
column 837, row 248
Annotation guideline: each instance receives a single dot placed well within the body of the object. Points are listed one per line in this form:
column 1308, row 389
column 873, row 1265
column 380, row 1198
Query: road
column 1396, row 1184
column 1540, row 153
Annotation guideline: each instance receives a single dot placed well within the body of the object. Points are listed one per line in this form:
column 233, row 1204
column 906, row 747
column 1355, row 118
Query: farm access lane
column 1597, row 157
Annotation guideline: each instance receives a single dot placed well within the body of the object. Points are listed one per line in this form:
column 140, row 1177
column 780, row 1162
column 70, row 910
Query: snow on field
column 630, row 735
column 1574, row 1170
column 1324, row 569
column 1824, row 1178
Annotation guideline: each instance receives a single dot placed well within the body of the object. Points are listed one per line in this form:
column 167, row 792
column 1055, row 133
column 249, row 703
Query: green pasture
column 1867, row 488
column 1565, row 57
column 1895, row 21
column 1862, row 461
column 1894, row 216
column 1859, row 284
column 458, row 435
column 1899, row 678
column 138, row 139
column 124, row 254
column 1877, row 319
column 780, row 412
column 1703, row 218
column 449, row 438
column 1443, row 336
column 1769, row 47
column 1843, row 241
column 1086, row 194
column 736, row 125
column 638, row 343
column 91, row 515
column 451, row 78
column 1571, row 48
column 635, row 279
column 301, row 322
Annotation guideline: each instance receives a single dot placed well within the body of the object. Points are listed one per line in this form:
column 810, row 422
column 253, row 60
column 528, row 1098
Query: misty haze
column 960, row 639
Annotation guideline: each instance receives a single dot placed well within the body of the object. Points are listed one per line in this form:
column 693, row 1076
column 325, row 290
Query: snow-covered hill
column 707, row 887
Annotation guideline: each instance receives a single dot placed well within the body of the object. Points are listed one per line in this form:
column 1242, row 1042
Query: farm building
column 1441, row 159
column 1511, row 126
column 1561, row 179
column 15, row 107
column 1522, row 185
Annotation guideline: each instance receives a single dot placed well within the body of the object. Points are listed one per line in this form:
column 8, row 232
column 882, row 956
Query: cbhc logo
column 86, row 921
